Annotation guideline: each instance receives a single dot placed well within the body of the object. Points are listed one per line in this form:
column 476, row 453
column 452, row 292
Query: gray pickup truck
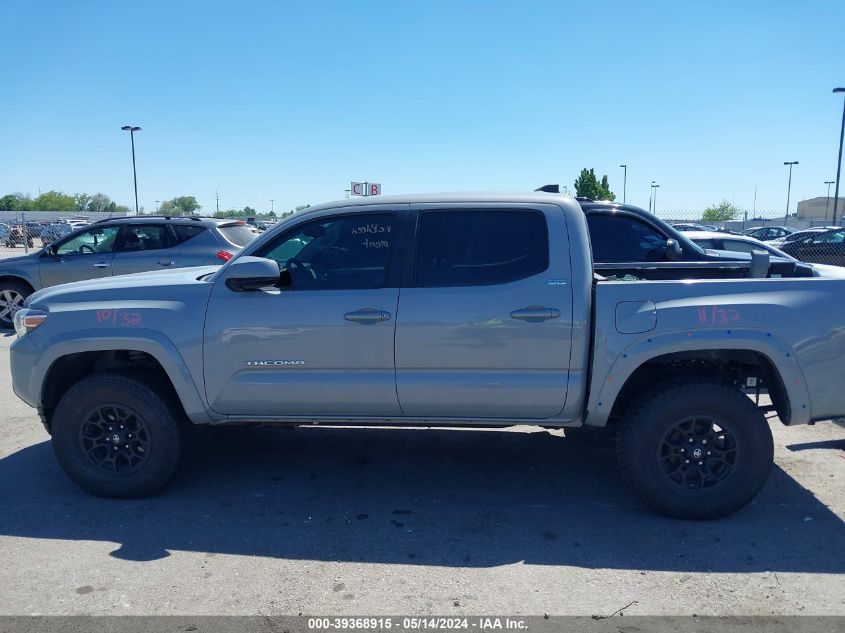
column 472, row 310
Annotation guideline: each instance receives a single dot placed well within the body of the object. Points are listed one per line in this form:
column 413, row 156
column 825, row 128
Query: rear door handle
column 367, row 315
column 100, row 265
column 535, row 314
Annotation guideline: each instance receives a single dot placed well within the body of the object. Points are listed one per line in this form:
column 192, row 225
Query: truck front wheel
column 115, row 436
column 695, row 448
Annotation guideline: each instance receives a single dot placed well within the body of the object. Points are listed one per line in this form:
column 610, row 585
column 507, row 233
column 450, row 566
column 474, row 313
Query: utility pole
column 157, row 201
column 272, row 203
column 217, row 200
column 654, row 210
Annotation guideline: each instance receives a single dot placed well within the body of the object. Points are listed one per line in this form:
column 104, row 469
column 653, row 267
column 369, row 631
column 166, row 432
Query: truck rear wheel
column 695, row 448
column 115, row 436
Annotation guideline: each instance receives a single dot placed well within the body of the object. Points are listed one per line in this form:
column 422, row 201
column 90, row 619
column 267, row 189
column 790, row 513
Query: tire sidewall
column 164, row 443
column 730, row 409
column 21, row 289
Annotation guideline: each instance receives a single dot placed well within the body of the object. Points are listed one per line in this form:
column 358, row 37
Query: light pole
column 839, row 160
column 272, row 206
column 789, row 189
column 654, row 209
column 650, row 194
column 132, row 129
column 624, row 182
column 157, row 201
column 827, row 202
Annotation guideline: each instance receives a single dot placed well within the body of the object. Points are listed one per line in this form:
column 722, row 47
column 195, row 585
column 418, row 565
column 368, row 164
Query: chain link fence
column 816, row 240
column 26, row 232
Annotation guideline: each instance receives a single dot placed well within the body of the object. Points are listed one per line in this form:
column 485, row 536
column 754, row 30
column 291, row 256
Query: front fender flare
column 149, row 341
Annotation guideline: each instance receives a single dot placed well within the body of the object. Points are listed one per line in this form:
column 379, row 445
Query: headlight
column 28, row 319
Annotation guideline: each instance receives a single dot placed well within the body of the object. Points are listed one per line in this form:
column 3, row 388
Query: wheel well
column 733, row 367
column 19, row 280
column 67, row 370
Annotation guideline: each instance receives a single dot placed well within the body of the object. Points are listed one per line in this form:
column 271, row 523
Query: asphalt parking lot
column 340, row 521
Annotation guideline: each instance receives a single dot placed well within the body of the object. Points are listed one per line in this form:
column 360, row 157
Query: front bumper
column 22, row 356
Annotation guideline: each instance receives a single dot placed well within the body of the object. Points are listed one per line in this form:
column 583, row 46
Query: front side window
column 478, row 247
column 343, row 252
column 96, row 240
column 621, row 238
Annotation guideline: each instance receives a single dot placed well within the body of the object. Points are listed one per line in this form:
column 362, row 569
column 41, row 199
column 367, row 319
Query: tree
column 588, row 186
column 721, row 212
column 54, row 201
column 183, row 205
column 81, row 200
column 9, row 202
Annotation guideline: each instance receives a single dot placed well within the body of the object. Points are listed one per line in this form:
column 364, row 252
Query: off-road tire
column 148, row 401
column 641, row 447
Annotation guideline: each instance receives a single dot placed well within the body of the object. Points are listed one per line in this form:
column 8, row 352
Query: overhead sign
column 365, row 189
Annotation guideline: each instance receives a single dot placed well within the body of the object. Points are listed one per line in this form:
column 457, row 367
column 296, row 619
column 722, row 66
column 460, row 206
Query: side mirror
column 247, row 274
column 673, row 250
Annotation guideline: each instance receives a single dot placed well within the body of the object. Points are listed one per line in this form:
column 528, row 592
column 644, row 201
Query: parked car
column 624, row 237
column 768, row 233
column 821, row 247
column 474, row 310
column 54, row 231
column 683, row 226
column 118, row 246
column 797, row 235
column 4, row 231
column 17, row 234
column 747, row 244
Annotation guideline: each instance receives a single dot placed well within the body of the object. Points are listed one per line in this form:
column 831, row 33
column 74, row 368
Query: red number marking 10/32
column 121, row 318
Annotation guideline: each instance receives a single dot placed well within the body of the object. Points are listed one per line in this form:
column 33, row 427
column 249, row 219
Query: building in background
column 819, row 209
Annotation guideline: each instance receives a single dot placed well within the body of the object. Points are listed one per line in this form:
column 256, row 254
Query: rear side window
column 237, row 234
column 706, row 243
column 185, row 232
column 474, row 248
column 143, row 237
column 621, row 238
column 741, row 247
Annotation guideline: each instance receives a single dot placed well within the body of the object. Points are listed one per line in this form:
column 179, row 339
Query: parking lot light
column 789, row 189
column 839, row 160
column 132, row 129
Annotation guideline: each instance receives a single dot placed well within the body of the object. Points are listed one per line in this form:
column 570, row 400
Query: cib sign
column 365, row 189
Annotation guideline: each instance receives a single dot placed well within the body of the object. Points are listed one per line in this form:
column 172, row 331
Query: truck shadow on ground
column 425, row 497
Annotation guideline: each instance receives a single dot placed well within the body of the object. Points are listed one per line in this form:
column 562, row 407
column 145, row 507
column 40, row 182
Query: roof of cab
column 461, row 197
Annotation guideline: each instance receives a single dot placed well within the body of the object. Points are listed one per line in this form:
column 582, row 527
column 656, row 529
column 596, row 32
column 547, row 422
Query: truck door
column 485, row 329
column 322, row 346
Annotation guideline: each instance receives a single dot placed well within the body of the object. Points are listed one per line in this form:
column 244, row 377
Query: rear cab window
column 480, row 247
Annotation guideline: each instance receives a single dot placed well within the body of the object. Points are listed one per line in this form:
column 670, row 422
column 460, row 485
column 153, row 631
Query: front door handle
column 367, row 315
column 165, row 262
column 100, row 265
column 535, row 314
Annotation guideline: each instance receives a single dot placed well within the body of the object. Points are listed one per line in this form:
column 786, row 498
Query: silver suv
column 119, row 246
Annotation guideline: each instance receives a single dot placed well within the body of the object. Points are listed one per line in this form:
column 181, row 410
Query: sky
column 290, row 101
